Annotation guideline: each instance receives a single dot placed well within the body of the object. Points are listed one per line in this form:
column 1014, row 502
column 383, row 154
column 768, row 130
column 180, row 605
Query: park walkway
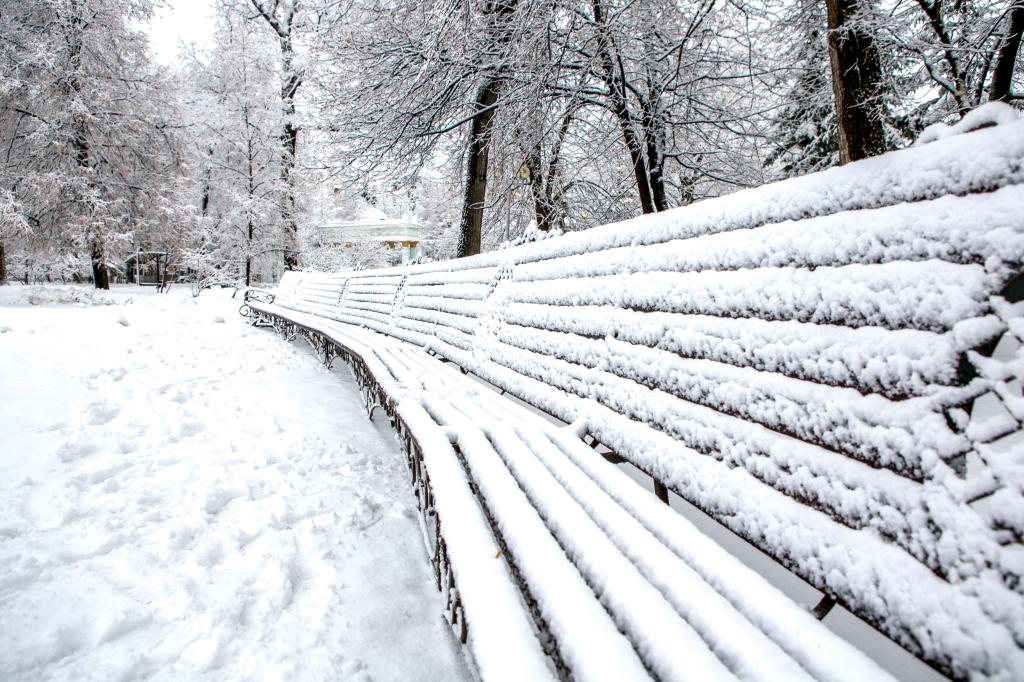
column 170, row 505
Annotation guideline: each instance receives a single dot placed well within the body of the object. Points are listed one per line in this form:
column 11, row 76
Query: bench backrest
column 805, row 362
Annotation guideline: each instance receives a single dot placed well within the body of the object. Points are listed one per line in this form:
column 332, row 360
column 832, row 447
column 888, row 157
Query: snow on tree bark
column 856, row 80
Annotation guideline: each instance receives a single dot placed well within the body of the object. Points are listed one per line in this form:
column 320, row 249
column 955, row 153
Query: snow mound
column 69, row 295
column 985, row 116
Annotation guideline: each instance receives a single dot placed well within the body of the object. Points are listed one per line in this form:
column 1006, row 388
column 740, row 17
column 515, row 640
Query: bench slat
column 912, row 515
column 588, row 641
column 904, row 436
column 637, row 608
column 892, row 363
column 930, row 296
column 940, row 229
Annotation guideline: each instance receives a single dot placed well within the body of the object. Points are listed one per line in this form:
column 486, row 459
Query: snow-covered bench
column 813, row 363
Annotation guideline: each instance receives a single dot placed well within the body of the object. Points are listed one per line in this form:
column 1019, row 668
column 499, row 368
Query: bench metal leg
column 660, row 491
column 823, row 607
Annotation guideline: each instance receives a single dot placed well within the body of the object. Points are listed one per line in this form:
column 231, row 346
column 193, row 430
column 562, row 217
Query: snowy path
column 172, row 507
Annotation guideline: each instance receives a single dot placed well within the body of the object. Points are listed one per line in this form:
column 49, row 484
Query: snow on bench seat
column 801, row 361
column 617, row 600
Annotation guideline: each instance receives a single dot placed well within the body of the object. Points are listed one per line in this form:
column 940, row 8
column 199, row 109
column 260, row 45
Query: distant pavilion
column 392, row 234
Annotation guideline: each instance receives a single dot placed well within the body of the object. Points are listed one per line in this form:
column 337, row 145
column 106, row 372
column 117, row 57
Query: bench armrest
column 259, row 295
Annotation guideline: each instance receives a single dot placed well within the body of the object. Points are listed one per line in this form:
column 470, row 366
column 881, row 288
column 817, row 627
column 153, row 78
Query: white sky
column 180, row 20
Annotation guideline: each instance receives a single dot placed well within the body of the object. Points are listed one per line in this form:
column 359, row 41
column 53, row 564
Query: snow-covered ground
column 185, row 497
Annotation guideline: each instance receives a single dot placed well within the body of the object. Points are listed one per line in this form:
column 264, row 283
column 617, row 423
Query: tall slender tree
column 282, row 17
column 235, row 113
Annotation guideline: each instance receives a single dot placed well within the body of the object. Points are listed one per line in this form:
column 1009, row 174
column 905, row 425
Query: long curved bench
column 829, row 366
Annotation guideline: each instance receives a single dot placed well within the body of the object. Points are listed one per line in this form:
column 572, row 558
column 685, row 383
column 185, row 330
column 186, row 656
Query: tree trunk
column 1002, row 78
column 933, row 10
column 289, row 138
column 248, row 248
column 3, row 264
column 475, row 197
column 636, row 155
column 290, row 142
column 554, row 209
column 100, row 275
column 656, row 168
column 475, row 194
column 204, row 204
column 541, row 207
column 80, row 145
column 620, row 107
column 856, row 80
column 656, row 178
column 250, row 228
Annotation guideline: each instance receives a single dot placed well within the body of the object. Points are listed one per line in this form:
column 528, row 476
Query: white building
column 389, row 234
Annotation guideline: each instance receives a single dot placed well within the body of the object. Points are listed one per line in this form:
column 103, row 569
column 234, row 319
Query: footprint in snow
column 355, row 670
column 147, row 500
column 70, row 451
column 9, row 532
column 366, row 513
column 190, row 427
column 105, row 473
column 68, row 640
column 102, row 413
column 218, row 498
column 123, row 623
column 205, row 653
column 211, row 555
column 56, row 426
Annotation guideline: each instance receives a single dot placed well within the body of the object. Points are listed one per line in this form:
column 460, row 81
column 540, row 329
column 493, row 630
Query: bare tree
column 963, row 52
column 235, row 115
column 92, row 156
column 282, row 17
